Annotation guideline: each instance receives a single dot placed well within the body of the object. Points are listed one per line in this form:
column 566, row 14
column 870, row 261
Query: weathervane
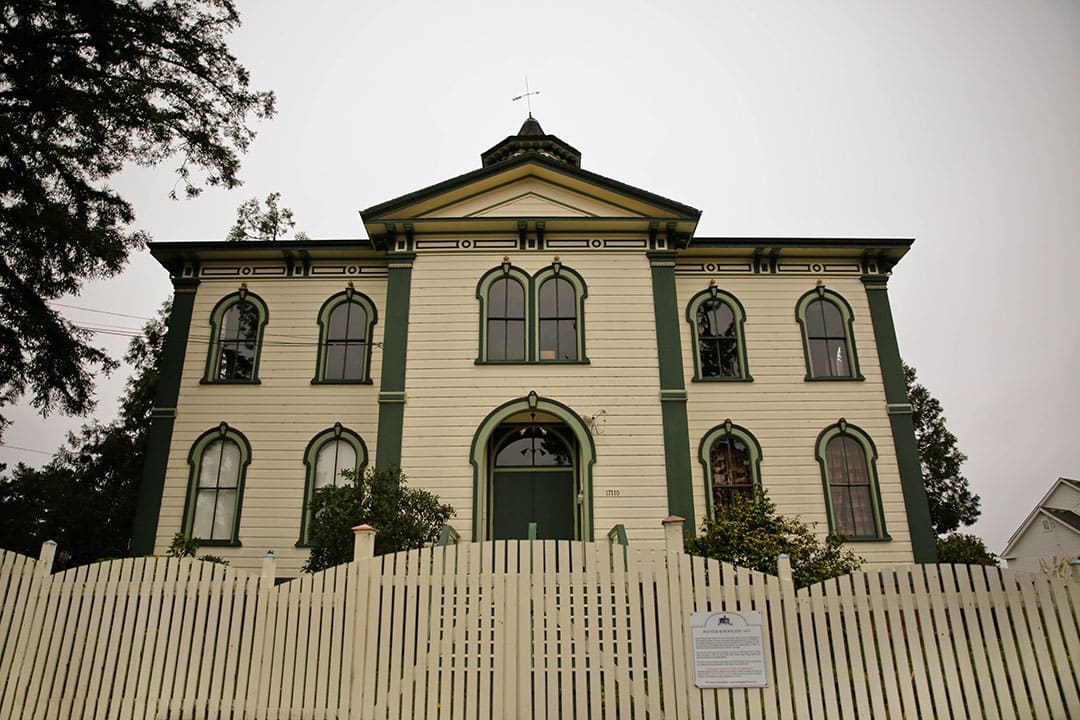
column 528, row 100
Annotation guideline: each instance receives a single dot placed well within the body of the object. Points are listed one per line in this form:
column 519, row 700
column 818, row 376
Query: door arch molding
column 478, row 456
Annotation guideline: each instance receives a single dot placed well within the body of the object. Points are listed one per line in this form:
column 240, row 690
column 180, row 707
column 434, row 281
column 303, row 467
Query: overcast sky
column 953, row 123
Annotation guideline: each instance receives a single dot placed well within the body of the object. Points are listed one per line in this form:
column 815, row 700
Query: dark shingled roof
column 1066, row 516
column 531, row 127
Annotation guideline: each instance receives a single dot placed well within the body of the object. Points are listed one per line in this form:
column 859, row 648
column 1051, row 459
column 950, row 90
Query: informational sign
column 729, row 650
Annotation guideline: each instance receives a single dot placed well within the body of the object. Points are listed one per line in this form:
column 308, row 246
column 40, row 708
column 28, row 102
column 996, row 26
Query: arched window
column 731, row 457
column 345, row 325
column 826, row 322
column 847, row 457
column 331, row 451
column 218, row 460
column 716, row 325
column 236, row 330
column 531, row 319
column 560, row 309
column 504, row 314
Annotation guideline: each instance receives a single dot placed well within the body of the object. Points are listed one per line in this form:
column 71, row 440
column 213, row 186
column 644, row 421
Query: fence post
column 783, row 567
column 45, row 558
column 1075, row 567
column 263, row 650
column 673, row 533
column 363, row 542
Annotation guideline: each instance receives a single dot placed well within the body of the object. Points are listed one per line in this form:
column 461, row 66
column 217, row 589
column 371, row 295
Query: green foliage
column 404, row 517
column 86, row 88
column 183, row 546
column 84, row 498
column 952, row 503
column 750, row 534
column 255, row 223
column 961, row 549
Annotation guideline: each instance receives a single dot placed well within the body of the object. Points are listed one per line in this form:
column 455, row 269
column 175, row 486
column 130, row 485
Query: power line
column 25, row 449
column 103, row 312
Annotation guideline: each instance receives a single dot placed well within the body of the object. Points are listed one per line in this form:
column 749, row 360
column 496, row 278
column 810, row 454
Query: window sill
column 871, row 538
column 254, row 381
column 217, row 543
column 836, row 378
column 532, row 362
column 317, row 381
column 721, row 379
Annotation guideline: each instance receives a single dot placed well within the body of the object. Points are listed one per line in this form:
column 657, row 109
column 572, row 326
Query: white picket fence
column 524, row 629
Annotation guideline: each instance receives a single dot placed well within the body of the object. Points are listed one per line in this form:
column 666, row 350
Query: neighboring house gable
column 1050, row 532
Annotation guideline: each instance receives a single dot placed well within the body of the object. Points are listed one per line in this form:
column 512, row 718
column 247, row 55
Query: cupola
column 531, row 138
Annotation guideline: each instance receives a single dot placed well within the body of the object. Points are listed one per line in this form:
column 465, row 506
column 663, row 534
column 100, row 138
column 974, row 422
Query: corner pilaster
column 395, row 350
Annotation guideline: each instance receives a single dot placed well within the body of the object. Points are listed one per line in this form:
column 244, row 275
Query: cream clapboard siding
column 784, row 412
column 279, row 416
column 449, row 395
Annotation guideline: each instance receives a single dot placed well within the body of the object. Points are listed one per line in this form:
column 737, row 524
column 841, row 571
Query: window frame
column 531, row 287
column 349, row 295
column 483, row 287
column 847, row 319
column 213, row 356
column 739, row 313
column 195, row 460
column 725, row 429
column 843, row 428
column 311, row 452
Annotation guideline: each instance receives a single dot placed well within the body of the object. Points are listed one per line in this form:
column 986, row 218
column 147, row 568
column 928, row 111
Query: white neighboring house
column 1051, row 530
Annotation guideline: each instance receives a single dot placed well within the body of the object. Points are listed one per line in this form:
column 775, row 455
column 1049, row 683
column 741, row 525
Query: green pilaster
column 672, row 389
column 162, row 417
column 900, row 418
column 395, row 348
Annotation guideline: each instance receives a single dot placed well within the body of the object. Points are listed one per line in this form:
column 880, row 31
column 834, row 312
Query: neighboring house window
column 346, row 321
column 826, row 321
column 847, row 456
column 716, row 325
column 731, row 457
column 328, row 453
column 531, row 319
column 236, row 330
column 219, row 460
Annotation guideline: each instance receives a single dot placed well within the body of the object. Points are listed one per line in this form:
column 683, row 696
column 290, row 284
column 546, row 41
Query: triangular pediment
column 531, row 197
column 524, row 187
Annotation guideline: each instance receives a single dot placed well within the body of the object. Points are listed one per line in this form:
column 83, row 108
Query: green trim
column 581, row 291
column 483, row 287
column 337, row 432
column 395, row 352
column 162, row 417
column 478, row 456
column 213, row 355
column 822, row 293
column 376, row 213
column 843, row 427
column 331, row 304
column 715, row 293
column 705, row 448
column 680, row 489
column 923, row 541
column 221, row 432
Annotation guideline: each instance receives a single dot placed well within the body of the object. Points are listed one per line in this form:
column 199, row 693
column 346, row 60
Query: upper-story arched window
column 716, row 327
column 236, row 330
column 828, row 336
column 531, row 319
column 346, row 321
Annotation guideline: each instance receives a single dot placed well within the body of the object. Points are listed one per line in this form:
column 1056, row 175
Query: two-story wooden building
column 533, row 342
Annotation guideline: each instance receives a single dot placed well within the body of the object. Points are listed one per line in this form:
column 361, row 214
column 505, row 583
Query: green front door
column 533, row 481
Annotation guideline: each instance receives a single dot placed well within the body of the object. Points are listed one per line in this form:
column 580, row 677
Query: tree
column 404, row 517
column 255, row 223
column 749, row 533
column 86, row 87
column 84, row 498
column 962, row 549
column 952, row 503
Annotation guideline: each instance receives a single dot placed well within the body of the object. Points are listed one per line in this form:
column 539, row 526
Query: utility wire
column 24, row 449
column 103, row 312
